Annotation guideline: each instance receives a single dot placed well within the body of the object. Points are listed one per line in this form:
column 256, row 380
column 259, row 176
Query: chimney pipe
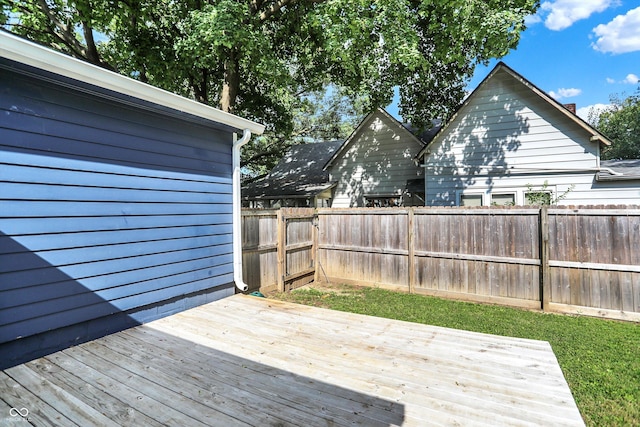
column 570, row 107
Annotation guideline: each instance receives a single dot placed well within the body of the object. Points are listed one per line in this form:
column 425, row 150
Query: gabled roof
column 501, row 66
column 298, row 174
column 619, row 170
column 363, row 124
column 31, row 54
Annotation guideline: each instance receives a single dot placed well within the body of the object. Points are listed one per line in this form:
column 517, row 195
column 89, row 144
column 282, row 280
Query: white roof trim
column 23, row 51
column 596, row 136
column 361, row 126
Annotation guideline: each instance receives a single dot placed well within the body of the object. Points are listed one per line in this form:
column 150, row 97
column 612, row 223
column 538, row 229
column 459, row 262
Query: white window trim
column 474, row 192
column 513, row 193
column 519, row 192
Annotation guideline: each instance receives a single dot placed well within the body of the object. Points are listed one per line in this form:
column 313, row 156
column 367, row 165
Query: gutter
column 26, row 52
column 237, row 210
column 618, row 178
column 530, row 170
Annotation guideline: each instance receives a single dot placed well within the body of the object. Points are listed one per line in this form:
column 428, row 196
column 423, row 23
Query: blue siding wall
column 110, row 215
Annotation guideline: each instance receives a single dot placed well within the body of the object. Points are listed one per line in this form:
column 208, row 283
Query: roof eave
column 607, row 177
column 464, row 103
column 595, row 135
column 26, row 52
column 347, row 141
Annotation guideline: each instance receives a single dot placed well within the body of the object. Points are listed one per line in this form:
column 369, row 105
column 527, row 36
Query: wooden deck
column 251, row 361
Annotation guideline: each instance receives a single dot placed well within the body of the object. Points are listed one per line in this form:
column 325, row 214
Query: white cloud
column 631, row 79
column 590, row 113
column 565, row 93
column 562, row 14
column 621, row 35
column 532, row 19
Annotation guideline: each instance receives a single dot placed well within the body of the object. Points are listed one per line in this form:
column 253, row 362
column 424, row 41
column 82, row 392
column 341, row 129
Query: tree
column 321, row 116
column 258, row 58
column 621, row 124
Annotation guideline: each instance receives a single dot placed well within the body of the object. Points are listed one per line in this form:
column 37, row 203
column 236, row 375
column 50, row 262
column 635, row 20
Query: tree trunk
column 231, row 85
column 201, row 87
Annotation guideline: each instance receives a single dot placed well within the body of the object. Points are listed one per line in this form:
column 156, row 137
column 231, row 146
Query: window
column 503, row 199
column 537, row 198
column 471, row 200
column 382, row 202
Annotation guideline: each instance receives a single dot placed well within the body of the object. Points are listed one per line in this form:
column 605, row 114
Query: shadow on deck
column 251, row 361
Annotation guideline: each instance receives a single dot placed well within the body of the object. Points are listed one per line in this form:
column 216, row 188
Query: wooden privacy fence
column 475, row 254
column 577, row 260
column 278, row 248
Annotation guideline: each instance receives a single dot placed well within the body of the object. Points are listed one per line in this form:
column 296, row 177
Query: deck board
column 246, row 361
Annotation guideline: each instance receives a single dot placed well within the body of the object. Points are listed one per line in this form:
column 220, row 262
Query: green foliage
column 544, row 195
column 260, row 58
column 599, row 358
column 621, row 124
column 320, row 116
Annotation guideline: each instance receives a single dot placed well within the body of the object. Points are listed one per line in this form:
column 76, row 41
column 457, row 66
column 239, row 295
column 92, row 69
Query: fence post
column 315, row 231
column 545, row 279
column 411, row 257
column 281, row 231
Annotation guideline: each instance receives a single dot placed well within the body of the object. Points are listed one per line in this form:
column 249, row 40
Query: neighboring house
column 619, row 170
column 508, row 137
column 376, row 166
column 116, row 201
column 298, row 180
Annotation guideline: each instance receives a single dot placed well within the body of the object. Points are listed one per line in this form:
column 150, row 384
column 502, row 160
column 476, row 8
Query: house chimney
column 570, row 107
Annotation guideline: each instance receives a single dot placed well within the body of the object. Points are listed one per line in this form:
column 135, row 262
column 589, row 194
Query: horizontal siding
column 500, row 138
column 113, row 280
column 53, row 225
column 605, row 193
column 586, row 190
column 21, row 261
column 507, row 124
column 41, row 117
column 47, row 100
column 91, row 238
column 378, row 161
column 52, row 275
column 106, row 209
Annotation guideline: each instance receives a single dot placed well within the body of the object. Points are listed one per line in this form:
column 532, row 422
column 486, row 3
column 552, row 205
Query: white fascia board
column 23, row 51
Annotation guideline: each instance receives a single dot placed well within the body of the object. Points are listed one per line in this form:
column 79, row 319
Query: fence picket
column 560, row 259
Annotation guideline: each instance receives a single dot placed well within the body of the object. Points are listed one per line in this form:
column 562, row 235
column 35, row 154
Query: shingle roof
column 298, row 174
column 630, row 170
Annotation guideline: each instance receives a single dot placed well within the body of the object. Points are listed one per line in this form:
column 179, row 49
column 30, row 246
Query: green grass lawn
column 599, row 358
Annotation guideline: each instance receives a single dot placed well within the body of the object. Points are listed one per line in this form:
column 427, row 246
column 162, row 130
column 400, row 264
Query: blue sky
column 578, row 51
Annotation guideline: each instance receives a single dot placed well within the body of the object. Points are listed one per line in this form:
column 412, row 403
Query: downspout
column 237, row 210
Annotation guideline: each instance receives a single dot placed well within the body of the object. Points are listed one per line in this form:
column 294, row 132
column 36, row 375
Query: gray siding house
column 116, row 201
column 375, row 166
column 510, row 137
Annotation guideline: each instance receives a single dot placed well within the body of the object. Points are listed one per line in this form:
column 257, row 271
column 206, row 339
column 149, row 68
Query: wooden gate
column 297, row 238
column 278, row 248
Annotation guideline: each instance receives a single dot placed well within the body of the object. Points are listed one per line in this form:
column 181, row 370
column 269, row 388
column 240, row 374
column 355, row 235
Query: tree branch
column 64, row 33
column 254, row 178
column 92, row 50
column 278, row 5
column 255, row 6
column 275, row 7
